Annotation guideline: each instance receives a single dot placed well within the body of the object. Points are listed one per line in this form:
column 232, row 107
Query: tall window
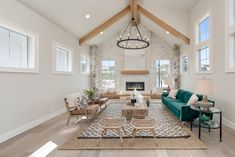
column 184, row 64
column 16, row 51
column 163, row 73
column 85, row 68
column 203, row 45
column 63, row 59
column 108, row 74
column 230, row 36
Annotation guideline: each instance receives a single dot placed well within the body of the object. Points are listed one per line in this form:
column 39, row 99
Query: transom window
column 204, row 59
column 63, row 59
column 108, row 74
column 162, row 73
column 204, row 30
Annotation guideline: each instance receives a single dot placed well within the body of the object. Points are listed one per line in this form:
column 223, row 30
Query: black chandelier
column 128, row 41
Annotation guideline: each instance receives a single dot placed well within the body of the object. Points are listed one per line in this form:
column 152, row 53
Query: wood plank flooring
column 55, row 130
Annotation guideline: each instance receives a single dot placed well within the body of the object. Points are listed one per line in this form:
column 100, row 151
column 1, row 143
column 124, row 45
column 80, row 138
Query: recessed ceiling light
column 101, row 32
column 87, row 16
column 167, row 32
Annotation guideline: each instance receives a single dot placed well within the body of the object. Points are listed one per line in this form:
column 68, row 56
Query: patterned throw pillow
column 193, row 100
column 172, row 93
column 83, row 103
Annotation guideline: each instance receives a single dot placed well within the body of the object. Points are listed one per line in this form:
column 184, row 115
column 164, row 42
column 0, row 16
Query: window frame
column 181, row 65
column 158, row 72
column 229, row 36
column 206, row 43
column 87, row 72
column 32, row 49
column 70, row 58
column 102, row 72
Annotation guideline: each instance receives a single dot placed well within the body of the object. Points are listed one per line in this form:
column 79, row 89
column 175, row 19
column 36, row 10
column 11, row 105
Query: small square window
column 17, row 51
column 204, row 59
column 63, row 60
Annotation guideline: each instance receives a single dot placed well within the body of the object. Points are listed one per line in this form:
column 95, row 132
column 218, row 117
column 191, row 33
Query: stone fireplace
column 130, row 86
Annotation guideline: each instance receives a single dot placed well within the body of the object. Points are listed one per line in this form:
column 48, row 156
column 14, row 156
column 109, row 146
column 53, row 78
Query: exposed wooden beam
column 134, row 10
column 105, row 25
column 163, row 25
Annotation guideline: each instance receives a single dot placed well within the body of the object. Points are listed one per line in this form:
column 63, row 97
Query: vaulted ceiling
column 70, row 15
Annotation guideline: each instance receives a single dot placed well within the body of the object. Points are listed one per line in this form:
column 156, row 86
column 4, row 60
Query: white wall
column 28, row 99
column 223, row 82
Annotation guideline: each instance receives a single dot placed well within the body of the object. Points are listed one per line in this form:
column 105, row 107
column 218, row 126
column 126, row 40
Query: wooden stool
column 112, row 124
column 143, row 124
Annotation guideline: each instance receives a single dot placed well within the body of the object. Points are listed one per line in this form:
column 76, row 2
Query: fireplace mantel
column 135, row 72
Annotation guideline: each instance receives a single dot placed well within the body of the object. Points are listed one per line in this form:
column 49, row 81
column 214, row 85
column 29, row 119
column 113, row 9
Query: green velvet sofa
column 179, row 105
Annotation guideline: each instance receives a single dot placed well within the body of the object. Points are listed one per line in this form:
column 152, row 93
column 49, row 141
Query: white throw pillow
column 172, row 93
column 193, row 100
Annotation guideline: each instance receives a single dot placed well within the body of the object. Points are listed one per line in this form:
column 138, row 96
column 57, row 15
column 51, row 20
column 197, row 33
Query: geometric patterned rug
column 167, row 125
column 171, row 134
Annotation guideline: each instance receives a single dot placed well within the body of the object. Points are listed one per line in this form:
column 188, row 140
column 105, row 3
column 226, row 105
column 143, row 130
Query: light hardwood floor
column 55, row 130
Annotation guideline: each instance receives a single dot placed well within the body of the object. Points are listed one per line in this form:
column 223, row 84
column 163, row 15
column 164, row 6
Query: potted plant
column 91, row 93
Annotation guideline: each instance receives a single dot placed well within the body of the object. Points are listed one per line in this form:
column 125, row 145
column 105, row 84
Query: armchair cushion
column 73, row 99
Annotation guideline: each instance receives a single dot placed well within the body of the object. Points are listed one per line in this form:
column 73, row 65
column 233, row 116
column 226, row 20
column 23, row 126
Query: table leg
column 133, row 136
column 220, row 126
column 102, row 134
column 154, row 135
column 120, row 135
column 124, row 130
column 192, row 125
column 199, row 129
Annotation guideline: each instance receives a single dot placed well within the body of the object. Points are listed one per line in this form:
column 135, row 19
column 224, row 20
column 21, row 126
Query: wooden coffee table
column 138, row 111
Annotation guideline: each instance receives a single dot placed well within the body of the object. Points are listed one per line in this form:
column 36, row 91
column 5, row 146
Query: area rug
column 171, row 134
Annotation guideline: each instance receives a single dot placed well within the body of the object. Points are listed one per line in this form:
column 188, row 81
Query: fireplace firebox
column 132, row 85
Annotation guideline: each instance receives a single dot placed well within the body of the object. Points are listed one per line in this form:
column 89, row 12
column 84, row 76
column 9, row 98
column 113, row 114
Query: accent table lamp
column 205, row 87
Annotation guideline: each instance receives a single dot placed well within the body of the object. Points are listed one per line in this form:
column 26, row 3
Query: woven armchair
column 74, row 107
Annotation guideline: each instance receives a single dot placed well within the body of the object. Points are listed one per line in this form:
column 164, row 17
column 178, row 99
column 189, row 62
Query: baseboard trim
column 229, row 123
column 19, row 130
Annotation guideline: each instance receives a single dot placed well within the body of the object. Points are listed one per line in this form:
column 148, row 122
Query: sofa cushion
column 180, row 94
column 168, row 99
column 187, row 96
column 178, row 105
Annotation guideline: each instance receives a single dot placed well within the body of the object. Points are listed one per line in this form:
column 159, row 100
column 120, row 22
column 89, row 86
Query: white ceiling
column 70, row 15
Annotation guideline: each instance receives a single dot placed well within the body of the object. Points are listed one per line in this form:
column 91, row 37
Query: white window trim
column 35, row 49
column 181, row 59
column 88, row 65
column 58, row 44
column 229, row 30
column 207, row 43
